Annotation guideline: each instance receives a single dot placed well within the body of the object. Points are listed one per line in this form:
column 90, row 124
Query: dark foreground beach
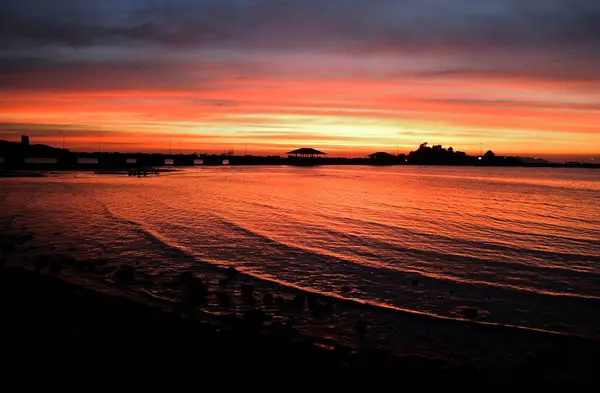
column 54, row 317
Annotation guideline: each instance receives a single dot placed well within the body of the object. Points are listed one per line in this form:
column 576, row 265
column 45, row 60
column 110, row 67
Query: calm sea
column 522, row 245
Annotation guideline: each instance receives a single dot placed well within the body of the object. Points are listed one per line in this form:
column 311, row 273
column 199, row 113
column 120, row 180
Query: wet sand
column 223, row 321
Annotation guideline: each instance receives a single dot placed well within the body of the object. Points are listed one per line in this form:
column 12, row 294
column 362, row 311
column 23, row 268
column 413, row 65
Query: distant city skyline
column 348, row 77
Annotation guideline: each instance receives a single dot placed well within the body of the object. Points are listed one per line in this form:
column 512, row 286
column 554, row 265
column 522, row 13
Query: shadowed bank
column 45, row 316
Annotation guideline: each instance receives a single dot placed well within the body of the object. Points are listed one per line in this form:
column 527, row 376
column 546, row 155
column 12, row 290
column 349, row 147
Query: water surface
column 522, row 245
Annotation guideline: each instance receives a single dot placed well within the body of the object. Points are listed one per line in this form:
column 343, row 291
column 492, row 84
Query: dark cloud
column 40, row 74
column 306, row 23
column 561, row 34
column 126, row 74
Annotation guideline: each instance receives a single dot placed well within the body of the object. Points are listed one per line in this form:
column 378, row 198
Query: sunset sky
column 346, row 76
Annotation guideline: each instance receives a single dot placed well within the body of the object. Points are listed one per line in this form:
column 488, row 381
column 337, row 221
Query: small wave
column 433, row 238
column 180, row 252
column 173, row 249
column 369, row 268
column 538, row 263
column 480, row 245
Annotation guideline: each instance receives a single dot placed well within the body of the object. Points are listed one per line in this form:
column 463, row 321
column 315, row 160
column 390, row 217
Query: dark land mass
column 44, row 316
column 15, row 157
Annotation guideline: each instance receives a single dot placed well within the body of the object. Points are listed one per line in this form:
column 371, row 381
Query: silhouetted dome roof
column 306, row 150
column 380, row 154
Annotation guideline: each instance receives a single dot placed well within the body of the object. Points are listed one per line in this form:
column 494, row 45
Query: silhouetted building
column 305, row 152
column 24, row 140
column 381, row 158
column 304, row 157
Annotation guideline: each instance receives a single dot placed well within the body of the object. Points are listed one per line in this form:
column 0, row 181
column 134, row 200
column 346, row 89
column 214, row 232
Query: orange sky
column 268, row 90
column 347, row 117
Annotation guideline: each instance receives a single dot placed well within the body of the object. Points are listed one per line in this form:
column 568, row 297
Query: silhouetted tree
column 461, row 157
column 436, row 155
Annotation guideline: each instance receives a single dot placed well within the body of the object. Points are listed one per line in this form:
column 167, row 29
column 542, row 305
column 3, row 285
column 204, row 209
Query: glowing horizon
column 299, row 79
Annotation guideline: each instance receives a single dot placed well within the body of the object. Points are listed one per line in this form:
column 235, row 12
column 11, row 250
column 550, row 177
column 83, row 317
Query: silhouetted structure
column 23, row 154
column 305, row 152
column 382, row 158
column 304, row 156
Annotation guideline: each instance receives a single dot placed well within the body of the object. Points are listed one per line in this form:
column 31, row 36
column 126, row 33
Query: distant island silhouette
column 23, row 155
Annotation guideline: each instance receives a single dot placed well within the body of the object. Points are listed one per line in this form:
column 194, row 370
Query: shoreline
column 75, row 310
column 45, row 171
column 41, row 168
column 75, row 315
